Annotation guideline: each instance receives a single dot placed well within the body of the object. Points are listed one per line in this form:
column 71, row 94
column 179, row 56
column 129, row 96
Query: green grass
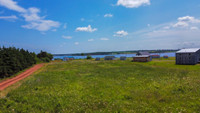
column 108, row 86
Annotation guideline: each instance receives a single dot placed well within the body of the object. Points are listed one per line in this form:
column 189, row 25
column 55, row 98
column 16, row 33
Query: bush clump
column 89, row 57
column 44, row 56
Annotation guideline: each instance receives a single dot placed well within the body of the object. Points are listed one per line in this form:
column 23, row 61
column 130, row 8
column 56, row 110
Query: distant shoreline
column 116, row 52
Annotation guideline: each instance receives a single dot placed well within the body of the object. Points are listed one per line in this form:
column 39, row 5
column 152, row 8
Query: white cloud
column 8, row 17
column 10, row 4
column 148, row 25
column 133, row 3
column 194, row 28
column 41, row 25
column 66, row 37
column 108, row 15
column 181, row 24
column 105, row 39
column 31, row 16
column 168, row 36
column 86, row 29
column 157, row 37
column 121, row 33
column 36, row 22
column 90, row 40
column 186, row 21
column 162, row 36
column 76, row 43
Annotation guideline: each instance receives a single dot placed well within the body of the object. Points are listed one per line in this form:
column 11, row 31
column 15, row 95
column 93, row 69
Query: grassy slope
column 108, row 86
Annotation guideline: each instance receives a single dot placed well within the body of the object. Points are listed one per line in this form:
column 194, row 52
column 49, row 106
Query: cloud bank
column 121, row 33
column 8, row 17
column 133, row 3
column 31, row 16
column 86, row 29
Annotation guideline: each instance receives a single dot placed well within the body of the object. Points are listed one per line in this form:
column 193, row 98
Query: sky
column 81, row 26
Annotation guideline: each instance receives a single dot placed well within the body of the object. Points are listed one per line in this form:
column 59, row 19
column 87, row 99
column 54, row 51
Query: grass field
column 108, row 86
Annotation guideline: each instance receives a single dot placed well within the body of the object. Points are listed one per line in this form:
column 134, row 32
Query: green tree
column 44, row 56
column 13, row 60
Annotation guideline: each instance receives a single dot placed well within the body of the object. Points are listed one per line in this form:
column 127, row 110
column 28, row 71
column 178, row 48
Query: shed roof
column 189, row 50
column 142, row 56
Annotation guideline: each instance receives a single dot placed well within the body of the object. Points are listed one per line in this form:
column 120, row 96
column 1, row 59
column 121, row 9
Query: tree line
column 13, row 60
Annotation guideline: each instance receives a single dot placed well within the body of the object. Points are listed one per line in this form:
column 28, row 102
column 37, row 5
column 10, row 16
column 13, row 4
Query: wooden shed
column 68, row 58
column 165, row 56
column 155, row 56
column 98, row 59
column 142, row 58
column 109, row 57
column 122, row 58
column 188, row 56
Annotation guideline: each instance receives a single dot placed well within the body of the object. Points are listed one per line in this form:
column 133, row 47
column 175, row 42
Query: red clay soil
column 9, row 82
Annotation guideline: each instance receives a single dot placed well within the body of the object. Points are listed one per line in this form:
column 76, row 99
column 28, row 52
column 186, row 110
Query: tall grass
column 108, row 86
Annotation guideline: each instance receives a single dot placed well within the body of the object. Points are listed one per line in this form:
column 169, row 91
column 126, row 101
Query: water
column 117, row 56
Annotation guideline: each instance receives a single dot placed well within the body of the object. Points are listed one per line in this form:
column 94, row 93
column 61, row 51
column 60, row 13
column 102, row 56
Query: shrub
column 89, row 57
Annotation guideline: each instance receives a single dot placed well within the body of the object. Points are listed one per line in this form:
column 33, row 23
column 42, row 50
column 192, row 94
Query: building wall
column 108, row 58
column 187, row 58
column 97, row 59
column 165, row 57
column 67, row 59
column 141, row 59
column 198, row 56
column 157, row 56
column 122, row 58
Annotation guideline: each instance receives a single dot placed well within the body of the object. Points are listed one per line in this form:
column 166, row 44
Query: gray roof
column 142, row 56
column 189, row 50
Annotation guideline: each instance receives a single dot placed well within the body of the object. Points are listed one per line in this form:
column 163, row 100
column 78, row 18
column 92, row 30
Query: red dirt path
column 6, row 83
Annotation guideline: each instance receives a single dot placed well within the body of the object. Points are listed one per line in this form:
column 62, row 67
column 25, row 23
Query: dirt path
column 6, row 83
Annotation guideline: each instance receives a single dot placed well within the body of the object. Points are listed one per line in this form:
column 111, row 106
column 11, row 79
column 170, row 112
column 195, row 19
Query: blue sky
column 76, row 26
